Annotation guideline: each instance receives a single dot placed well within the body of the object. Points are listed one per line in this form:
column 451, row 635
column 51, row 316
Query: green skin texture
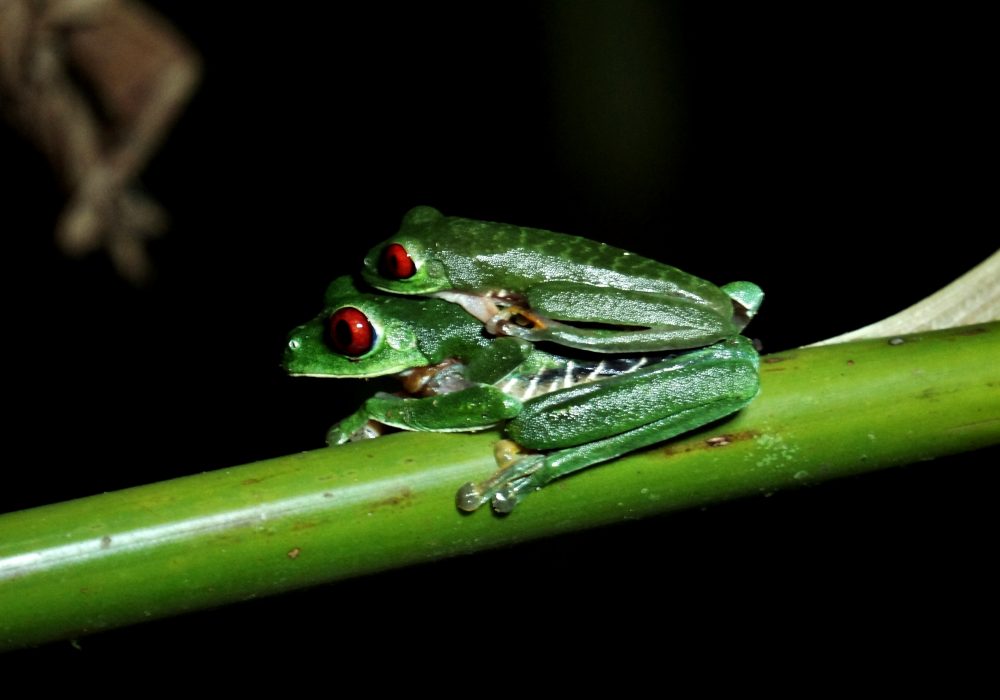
column 643, row 305
column 579, row 425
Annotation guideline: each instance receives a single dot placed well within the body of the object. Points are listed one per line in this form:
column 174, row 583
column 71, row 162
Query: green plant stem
column 200, row 541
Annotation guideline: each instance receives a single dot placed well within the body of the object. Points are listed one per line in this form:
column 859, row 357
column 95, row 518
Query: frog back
column 485, row 257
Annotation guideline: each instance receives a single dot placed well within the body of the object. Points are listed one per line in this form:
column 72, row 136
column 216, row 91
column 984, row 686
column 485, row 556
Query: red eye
column 397, row 263
column 351, row 332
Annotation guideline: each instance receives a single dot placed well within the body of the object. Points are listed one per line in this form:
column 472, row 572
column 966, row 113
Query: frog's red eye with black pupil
column 397, row 263
column 351, row 333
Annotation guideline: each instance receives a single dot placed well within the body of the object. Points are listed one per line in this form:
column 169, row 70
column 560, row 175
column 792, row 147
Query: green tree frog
column 568, row 412
column 545, row 286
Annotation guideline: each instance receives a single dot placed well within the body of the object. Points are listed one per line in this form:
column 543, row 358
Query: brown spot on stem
column 294, row 553
column 715, row 441
column 401, row 499
column 929, row 394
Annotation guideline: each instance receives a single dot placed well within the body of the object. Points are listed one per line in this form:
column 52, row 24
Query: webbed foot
column 507, row 485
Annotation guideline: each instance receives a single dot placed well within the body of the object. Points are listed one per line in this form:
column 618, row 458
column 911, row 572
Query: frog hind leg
column 628, row 322
column 523, row 323
column 507, row 486
column 596, row 319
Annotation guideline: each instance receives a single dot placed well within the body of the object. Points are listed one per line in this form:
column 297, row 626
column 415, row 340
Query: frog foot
column 513, row 318
column 346, row 431
column 505, row 487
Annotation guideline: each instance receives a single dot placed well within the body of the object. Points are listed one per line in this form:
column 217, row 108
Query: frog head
column 371, row 335
column 406, row 263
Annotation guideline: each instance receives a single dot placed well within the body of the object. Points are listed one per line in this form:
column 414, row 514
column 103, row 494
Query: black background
column 832, row 155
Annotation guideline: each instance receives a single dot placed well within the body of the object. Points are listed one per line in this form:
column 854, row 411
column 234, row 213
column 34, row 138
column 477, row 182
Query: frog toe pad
column 469, row 497
column 504, row 488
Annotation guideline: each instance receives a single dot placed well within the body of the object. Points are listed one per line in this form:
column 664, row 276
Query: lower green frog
column 561, row 413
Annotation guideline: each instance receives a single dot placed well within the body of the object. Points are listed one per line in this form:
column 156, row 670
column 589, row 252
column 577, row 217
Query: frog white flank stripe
column 597, row 371
column 530, row 391
column 638, row 365
column 568, row 376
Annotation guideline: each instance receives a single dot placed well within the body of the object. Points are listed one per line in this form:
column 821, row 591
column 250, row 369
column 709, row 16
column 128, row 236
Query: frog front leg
column 596, row 422
column 356, row 427
column 474, row 408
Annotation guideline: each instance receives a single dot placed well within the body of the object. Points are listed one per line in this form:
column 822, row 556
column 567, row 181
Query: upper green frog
column 537, row 285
